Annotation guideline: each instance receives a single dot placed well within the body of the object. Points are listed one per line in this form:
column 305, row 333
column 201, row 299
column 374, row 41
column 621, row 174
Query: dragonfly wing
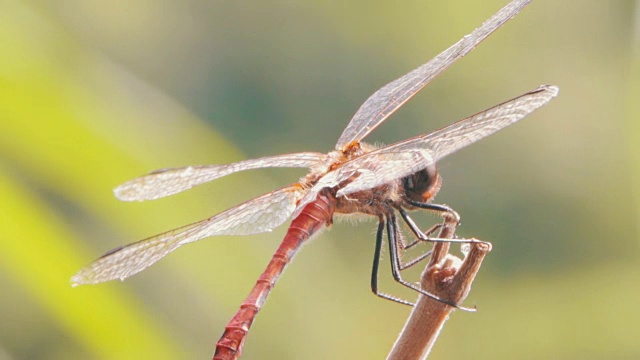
column 390, row 97
column 404, row 158
column 368, row 171
column 167, row 182
column 383, row 168
column 254, row 216
column 469, row 130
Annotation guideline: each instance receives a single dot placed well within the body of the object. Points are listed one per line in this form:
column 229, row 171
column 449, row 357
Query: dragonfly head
column 423, row 185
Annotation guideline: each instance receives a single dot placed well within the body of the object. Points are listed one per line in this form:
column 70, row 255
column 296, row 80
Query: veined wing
column 406, row 157
column 167, row 182
column 465, row 132
column 390, row 97
column 368, row 171
column 254, row 216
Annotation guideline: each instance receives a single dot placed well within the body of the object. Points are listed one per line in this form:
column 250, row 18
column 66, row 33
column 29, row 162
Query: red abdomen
column 312, row 218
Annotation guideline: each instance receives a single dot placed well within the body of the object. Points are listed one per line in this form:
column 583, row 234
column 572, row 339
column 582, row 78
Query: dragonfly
column 385, row 182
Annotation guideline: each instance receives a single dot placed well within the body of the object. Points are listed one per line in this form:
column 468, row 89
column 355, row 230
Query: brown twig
column 447, row 277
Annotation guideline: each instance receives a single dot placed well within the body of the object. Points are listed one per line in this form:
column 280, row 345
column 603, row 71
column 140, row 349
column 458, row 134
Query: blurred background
column 94, row 93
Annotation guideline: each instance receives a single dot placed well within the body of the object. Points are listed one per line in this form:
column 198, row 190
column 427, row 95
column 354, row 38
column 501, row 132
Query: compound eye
column 409, row 183
column 422, row 185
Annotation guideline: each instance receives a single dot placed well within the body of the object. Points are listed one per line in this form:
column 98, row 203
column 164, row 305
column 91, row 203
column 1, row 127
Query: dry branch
column 447, row 277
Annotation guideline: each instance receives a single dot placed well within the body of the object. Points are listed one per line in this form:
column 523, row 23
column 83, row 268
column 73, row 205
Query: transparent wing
column 167, row 182
column 389, row 98
column 382, row 169
column 406, row 157
column 254, row 216
column 469, row 130
column 369, row 171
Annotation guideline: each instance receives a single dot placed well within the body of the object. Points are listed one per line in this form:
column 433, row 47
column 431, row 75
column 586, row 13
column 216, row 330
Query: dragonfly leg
column 446, row 211
column 404, row 266
column 376, row 266
column 420, row 236
column 392, row 231
column 437, row 208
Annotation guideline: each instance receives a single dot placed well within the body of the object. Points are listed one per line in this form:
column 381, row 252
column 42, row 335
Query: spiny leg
column 392, row 231
column 403, row 246
column 376, row 266
column 404, row 266
column 445, row 210
column 435, row 207
column 453, row 220
column 418, row 240
column 421, row 237
column 406, row 246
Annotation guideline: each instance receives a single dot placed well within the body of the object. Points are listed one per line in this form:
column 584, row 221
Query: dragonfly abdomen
column 312, row 218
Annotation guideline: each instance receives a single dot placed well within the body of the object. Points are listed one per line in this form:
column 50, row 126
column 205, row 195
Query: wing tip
column 79, row 279
column 121, row 194
column 88, row 276
column 553, row 90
